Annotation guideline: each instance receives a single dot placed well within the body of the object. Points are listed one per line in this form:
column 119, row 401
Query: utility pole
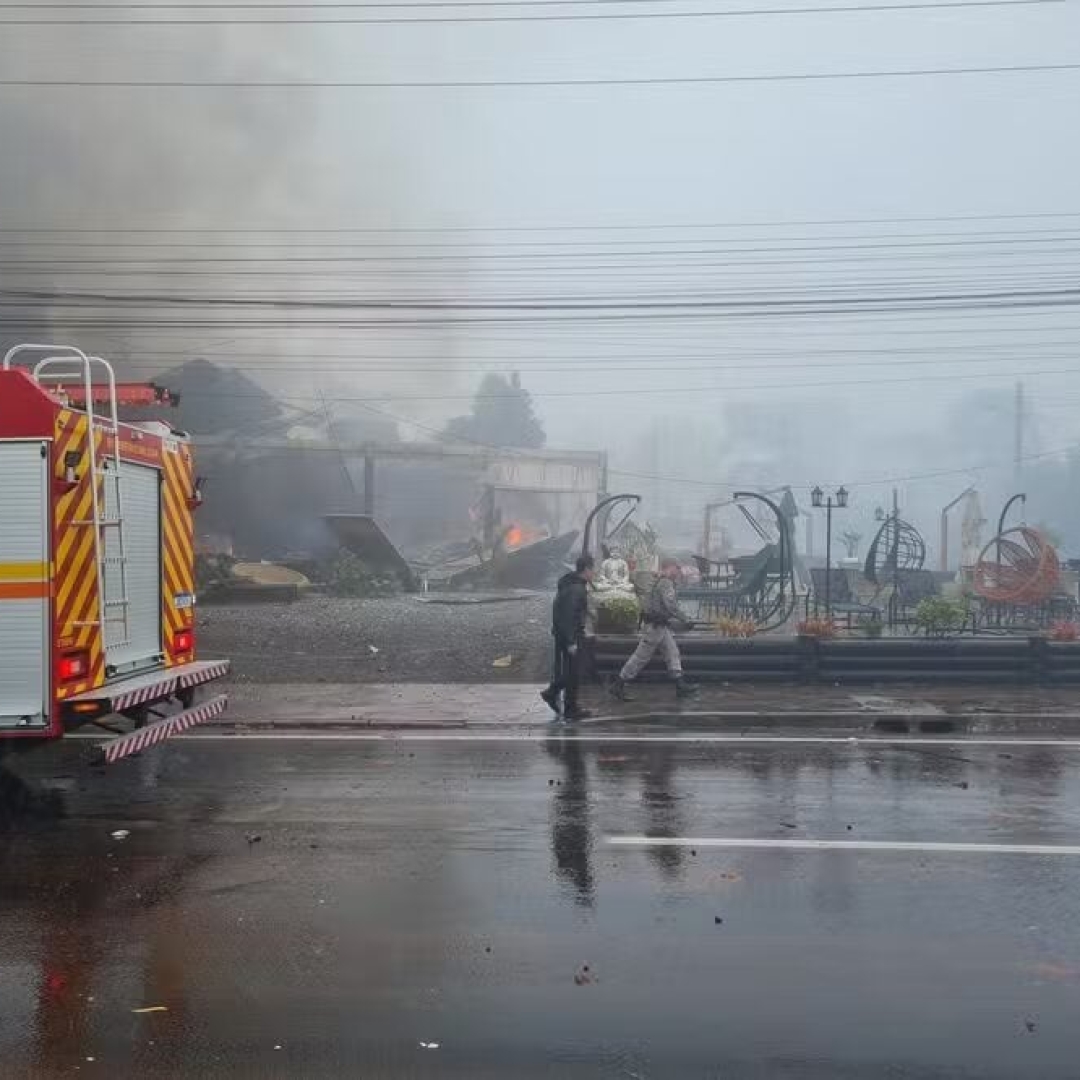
column 331, row 434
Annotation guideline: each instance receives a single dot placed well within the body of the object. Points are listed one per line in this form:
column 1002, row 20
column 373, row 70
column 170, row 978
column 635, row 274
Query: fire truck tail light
column 74, row 665
column 183, row 641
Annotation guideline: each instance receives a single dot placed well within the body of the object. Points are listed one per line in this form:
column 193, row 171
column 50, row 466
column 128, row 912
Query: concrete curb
column 1017, row 723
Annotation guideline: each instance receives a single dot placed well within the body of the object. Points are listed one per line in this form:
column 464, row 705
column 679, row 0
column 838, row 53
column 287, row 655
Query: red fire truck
column 97, row 575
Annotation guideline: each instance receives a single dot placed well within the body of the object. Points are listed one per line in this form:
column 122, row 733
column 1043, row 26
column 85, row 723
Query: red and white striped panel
column 168, row 685
column 155, row 692
column 217, row 670
column 163, row 729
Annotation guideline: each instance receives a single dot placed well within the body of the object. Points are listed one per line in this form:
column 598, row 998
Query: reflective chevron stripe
column 217, row 670
column 163, row 729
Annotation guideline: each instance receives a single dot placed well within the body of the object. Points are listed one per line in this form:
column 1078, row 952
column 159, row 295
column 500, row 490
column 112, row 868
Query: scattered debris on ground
column 583, row 977
column 329, row 639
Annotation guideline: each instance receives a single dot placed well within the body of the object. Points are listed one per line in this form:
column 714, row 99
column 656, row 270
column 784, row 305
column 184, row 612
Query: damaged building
column 277, row 478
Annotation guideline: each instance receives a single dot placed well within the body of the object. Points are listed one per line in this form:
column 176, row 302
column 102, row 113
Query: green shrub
column 937, row 616
column 213, row 572
column 617, row 615
column 348, row 575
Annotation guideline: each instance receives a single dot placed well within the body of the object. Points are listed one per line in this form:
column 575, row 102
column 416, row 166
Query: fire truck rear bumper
column 160, row 730
column 145, row 690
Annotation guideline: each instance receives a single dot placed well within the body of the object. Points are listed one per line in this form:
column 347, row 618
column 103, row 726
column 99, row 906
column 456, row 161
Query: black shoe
column 551, row 699
column 577, row 714
column 684, row 689
column 617, row 689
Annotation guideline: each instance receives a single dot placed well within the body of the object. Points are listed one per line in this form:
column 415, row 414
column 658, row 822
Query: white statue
column 614, row 576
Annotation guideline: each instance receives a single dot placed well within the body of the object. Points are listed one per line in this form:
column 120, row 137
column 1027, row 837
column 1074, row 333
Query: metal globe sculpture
column 897, row 547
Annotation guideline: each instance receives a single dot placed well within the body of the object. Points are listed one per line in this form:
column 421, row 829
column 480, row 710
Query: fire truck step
column 160, row 730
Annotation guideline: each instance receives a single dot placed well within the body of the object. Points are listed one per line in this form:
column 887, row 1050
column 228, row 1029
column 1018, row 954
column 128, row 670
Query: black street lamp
column 838, row 501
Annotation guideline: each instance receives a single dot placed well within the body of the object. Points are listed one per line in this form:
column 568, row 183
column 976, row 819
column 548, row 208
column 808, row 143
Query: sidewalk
column 347, row 706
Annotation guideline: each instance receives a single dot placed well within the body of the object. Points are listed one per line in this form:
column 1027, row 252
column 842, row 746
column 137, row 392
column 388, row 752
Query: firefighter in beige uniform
column 661, row 612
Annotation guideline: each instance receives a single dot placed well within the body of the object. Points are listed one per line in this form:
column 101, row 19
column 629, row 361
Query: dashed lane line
column 917, row 846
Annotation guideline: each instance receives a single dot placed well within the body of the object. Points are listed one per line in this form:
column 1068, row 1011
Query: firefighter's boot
column 684, row 689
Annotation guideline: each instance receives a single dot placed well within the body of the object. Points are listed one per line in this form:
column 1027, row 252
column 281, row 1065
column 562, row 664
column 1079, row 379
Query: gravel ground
column 323, row 639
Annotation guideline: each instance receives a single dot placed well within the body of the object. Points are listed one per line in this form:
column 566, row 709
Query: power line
column 596, row 227
column 586, row 337
column 660, row 368
column 780, row 247
column 481, row 84
column 399, row 20
column 549, row 304
column 553, row 323
column 468, row 247
column 438, row 322
column 684, row 480
column 666, row 389
column 880, row 481
column 184, row 5
column 695, row 482
column 525, row 362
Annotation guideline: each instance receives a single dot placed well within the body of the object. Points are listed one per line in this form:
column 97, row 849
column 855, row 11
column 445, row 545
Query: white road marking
column 842, row 845
column 609, row 737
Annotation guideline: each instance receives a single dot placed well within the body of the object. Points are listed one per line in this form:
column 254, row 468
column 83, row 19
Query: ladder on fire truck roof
column 104, row 468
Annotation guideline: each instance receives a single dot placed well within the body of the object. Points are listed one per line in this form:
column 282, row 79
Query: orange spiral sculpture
column 1018, row 567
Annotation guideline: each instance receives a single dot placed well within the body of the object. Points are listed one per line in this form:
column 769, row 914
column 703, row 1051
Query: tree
column 502, row 415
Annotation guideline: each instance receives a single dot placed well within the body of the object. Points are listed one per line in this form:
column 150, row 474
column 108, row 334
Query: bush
column 819, row 628
column 937, row 616
column 617, row 615
column 1064, row 630
column 348, row 575
column 213, row 572
column 872, row 627
column 732, row 626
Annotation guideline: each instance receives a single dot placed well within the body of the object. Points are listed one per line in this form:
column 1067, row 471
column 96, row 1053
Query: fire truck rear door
column 25, row 640
column 134, row 644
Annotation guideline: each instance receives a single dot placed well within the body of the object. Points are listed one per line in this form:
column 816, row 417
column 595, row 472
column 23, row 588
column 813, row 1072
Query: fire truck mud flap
column 159, row 730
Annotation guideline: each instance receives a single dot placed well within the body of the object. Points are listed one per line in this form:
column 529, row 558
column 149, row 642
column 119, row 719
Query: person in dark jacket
column 568, row 629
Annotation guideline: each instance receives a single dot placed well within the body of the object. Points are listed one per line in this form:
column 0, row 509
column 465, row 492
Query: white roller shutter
column 137, row 645
column 24, row 557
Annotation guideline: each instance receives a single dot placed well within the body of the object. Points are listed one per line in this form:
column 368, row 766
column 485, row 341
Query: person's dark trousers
column 566, row 675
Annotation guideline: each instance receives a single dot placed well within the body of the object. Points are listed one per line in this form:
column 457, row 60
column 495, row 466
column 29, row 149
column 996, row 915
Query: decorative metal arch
column 605, row 506
column 897, row 546
column 773, row 602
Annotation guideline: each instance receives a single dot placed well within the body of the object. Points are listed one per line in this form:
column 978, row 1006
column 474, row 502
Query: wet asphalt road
column 318, row 910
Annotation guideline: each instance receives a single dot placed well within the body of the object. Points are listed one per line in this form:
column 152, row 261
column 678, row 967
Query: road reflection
column 571, row 824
